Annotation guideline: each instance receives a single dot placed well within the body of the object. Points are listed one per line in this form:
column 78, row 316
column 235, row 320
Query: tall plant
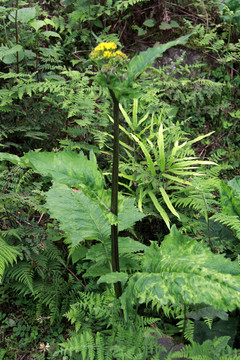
column 90, row 205
column 119, row 75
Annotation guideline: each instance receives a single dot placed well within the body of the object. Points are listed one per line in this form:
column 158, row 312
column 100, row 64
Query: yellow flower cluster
column 105, row 46
column 106, row 50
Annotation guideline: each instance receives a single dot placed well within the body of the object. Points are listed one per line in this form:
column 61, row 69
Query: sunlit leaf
column 113, row 277
column 184, row 271
column 141, row 62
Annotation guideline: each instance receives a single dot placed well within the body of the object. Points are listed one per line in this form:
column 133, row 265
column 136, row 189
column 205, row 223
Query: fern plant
column 41, row 267
column 166, row 164
column 8, row 255
column 200, row 195
column 210, row 349
column 105, row 335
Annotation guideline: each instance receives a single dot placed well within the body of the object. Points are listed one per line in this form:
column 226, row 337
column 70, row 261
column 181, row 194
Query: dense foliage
column 119, row 178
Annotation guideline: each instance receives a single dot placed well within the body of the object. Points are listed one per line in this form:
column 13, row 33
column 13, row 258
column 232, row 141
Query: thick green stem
column 16, row 31
column 114, row 196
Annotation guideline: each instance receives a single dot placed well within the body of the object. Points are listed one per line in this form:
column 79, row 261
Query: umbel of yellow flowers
column 107, row 50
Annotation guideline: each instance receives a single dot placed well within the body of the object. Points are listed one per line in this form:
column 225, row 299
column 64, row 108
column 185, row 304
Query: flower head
column 107, row 51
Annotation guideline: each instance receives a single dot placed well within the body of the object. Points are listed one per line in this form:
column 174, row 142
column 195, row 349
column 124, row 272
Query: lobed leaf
column 80, row 217
column 183, row 270
column 83, row 218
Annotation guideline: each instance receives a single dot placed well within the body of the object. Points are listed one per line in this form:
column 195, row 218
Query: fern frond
column 8, row 255
column 83, row 343
column 208, row 322
column 188, row 330
column 22, row 272
column 233, row 222
column 93, row 305
column 216, row 349
column 199, row 195
column 123, row 342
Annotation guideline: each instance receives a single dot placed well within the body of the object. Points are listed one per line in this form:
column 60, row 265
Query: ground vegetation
column 119, row 179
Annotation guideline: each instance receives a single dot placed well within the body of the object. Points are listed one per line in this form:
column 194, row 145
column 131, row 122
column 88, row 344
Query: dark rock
column 169, row 344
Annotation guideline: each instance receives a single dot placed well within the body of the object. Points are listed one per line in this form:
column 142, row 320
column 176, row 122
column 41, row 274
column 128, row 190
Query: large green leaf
column 23, row 15
column 98, row 269
column 37, row 24
column 235, row 185
column 78, row 199
column 230, row 198
column 83, row 218
column 128, row 213
column 5, row 51
column 113, row 277
column 9, row 157
column 80, row 217
column 203, row 311
column 184, row 271
column 144, row 59
column 67, row 167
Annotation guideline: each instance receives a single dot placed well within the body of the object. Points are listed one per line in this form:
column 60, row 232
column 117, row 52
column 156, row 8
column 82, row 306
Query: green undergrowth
column 169, row 72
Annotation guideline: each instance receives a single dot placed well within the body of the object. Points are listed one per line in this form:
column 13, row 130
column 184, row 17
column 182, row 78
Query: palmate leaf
column 133, row 123
column 144, row 59
column 162, row 161
column 184, row 271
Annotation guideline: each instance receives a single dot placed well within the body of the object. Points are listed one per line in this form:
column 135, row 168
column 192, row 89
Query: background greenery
column 179, row 181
